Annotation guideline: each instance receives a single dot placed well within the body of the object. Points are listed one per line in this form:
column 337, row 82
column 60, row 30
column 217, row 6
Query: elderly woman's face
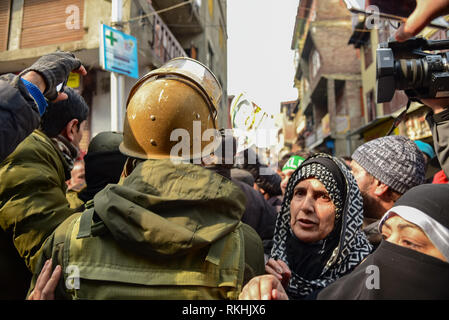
column 403, row 233
column 312, row 212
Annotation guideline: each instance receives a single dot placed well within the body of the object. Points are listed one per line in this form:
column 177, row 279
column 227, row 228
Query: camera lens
column 407, row 66
column 410, row 73
column 416, row 73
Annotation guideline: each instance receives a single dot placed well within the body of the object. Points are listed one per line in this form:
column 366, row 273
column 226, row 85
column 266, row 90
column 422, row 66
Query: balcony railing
column 165, row 45
column 162, row 42
column 184, row 19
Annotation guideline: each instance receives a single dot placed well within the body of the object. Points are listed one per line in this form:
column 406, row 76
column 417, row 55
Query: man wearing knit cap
column 385, row 168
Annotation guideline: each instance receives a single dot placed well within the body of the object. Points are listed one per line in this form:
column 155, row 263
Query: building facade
column 290, row 126
column 201, row 30
column 32, row 28
column 327, row 77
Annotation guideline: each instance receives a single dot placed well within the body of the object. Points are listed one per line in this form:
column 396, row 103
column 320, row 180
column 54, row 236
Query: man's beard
column 371, row 208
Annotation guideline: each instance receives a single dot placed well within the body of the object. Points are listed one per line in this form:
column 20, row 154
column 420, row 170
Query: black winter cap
column 431, row 199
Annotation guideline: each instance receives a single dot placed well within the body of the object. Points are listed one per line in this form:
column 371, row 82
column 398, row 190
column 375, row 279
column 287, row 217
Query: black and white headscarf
column 353, row 246
column 326, row 177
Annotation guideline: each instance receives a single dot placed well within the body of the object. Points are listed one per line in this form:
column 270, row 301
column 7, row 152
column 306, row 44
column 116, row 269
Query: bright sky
column 260, row 61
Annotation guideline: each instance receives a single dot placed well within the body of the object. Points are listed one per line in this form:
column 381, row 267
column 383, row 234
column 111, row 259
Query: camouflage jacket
column 167, row 231
column 32, row 194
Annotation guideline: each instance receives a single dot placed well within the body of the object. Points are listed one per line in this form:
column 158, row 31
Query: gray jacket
column 439, row 124
column 19, row 114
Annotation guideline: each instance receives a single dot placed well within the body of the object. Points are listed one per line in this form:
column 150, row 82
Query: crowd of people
column 131, row 219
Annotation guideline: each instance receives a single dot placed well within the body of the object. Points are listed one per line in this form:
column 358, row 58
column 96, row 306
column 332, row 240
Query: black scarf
column 309, row 259
column 404, row 274
column 101, row 169
column 69, row 152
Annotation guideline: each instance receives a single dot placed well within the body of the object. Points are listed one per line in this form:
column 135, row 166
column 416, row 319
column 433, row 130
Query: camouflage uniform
column 32, row 203
column 167, row 231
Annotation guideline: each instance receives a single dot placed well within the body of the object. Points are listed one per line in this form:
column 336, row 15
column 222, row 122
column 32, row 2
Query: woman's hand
column 280, row 270
column 266, row 287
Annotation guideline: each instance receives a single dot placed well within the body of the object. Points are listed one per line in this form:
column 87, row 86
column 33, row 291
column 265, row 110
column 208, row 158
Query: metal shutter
column 5, row 10
column 44, row 22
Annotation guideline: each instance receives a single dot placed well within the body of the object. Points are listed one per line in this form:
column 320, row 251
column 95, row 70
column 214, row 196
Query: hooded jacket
column 32, row 193
column 167, row 231
column 32, row 203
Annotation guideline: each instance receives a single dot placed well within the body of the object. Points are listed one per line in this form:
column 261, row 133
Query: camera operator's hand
column 437, row 105
column 50, row 71
column 424, row 13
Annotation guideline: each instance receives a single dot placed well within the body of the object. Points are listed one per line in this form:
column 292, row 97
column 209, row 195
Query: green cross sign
column 111, row 38
column 118, row 52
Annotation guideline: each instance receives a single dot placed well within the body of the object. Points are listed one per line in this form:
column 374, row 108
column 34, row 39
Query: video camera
column 406, row 66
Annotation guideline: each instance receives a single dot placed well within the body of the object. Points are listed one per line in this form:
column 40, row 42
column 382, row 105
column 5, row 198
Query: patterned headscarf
column 319, row 171
column 353, row 246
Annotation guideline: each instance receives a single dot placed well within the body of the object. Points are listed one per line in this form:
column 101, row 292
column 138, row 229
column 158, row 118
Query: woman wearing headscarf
column 411, row 263
column 413, row 260
column 318, row 236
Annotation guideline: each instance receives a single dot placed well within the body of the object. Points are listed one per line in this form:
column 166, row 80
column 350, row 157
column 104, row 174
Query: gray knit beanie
column 393, row 160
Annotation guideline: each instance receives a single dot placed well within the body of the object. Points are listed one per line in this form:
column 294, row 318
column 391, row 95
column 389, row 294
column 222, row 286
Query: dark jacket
column 19, row 115
column 259, row 214
column 276, row 202
column 371, row 231
column 14, row 274
column 439, row 125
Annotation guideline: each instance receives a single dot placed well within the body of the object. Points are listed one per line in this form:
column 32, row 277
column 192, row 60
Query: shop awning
column 378, row 121
column 360, row 35
column 370, row 125
column 318, row 142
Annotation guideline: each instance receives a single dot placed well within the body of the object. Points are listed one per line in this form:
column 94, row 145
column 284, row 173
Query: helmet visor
column 197, row 72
